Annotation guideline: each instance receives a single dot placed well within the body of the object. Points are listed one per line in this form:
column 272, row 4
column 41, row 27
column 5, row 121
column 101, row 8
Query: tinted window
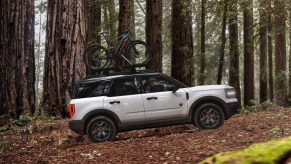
column 125, row 86
column 91, row 89
column 156, row 84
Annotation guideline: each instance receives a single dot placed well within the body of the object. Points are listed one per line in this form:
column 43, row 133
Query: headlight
column 230, row 93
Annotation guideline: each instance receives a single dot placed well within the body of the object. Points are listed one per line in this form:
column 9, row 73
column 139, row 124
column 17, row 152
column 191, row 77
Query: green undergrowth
column 23, row 121
column 256, row 106
column 271, row 152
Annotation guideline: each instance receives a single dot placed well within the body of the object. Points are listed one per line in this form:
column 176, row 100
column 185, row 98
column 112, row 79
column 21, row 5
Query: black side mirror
column 174, row 90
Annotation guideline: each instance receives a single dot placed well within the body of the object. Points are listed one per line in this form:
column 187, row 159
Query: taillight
column 72, row 110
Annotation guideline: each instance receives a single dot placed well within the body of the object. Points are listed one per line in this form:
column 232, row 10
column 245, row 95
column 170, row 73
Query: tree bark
column 249, row 85
column 17, row 65
column 93, row 16
column 182, row 41
column 223, row 42
column 280, row 51
column 270, row 51
column 263, row 53
column 64, row 49
column 234, row 79
column 202, row 53
column 112, row 18
column 154, row 15
column 125, row 22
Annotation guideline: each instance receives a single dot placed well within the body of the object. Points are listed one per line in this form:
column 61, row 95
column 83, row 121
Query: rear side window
column 91, row 89
column 126, row 86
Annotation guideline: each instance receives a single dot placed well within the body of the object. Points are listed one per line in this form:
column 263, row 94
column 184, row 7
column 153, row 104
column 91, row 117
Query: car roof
column 115, row 75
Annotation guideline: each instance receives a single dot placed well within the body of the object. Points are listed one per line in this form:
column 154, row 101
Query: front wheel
column 101, row 129
column 137, row 53
column 96, row 57
column 208, row 116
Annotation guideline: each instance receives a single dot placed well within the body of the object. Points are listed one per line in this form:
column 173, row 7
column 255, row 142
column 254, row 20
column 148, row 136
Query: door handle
column 114, row 102
column 151, row 98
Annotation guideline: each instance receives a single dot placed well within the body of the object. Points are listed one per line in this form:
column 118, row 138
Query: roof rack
column 112, row 70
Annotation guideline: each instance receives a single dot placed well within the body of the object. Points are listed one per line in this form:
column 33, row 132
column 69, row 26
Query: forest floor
column 51, row 141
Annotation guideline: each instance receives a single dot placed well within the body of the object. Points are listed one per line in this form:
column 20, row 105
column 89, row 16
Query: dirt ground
column 52, row 142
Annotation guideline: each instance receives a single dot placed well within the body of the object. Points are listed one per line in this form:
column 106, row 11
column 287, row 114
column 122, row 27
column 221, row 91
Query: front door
column 126, row 101
column 159, row 100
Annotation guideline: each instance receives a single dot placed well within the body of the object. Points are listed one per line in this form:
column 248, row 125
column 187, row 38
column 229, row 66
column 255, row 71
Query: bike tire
column 96, row 57
column 137, row 52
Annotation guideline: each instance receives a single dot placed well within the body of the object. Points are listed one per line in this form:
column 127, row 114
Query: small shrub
column 256, row 106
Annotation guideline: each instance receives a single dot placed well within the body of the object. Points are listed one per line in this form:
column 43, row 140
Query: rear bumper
column 231, row 109
column 77, row 126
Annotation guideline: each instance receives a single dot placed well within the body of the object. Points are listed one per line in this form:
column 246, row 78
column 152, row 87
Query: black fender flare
column 202, row 100
column 103, row 112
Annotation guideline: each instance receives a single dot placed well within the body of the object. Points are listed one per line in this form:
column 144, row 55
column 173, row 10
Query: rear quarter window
column 91, row 89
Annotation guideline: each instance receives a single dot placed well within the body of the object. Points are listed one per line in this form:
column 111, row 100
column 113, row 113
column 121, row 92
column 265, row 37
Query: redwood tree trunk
column 125, row 22
column 234, row 79
column 93, row 16
column 154, row 15
column 280, row 51
column 263, row 54
column 202, row 53
column 182, row 41
column 17, row 65
column 249, row 85
column 64, row 49
column 223, row 41
column 270, row 52
column 112, row 18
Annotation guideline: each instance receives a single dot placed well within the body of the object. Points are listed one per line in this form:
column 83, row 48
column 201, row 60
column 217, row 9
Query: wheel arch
column 101, row 112
column 203, row 100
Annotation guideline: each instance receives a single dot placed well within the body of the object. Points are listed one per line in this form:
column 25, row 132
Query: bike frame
column 120, row 45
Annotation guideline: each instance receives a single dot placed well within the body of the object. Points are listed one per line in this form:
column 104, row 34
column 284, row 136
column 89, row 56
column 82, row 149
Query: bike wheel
column 96, row 57
column 137, row 52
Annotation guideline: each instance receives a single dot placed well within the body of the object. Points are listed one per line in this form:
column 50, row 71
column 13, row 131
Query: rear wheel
column 96, row 57
column 101, row 129
column 137, row 52
column 208, row 116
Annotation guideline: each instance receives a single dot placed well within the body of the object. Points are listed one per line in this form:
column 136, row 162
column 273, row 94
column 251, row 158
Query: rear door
column 125, row 100
column 159, row 100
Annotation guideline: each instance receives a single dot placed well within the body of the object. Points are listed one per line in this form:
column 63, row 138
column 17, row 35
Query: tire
column 96, row 57
column 208, row 116
column 137, row 52
column 101, row 129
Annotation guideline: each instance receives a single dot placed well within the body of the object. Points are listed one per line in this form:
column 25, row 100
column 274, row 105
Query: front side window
column 126, row 86
column 151, row 84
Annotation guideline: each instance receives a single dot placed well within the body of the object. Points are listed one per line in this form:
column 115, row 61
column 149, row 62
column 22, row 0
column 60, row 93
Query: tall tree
column 280, row 51
column 93, row 17
column 263, row 52
column 249, row 85
column 112, row 18
column 202, row 53
column 270, row 50
column 63, row 61
column 223, row 41
column 154, row 15
column 289, row 91
column 182, row 41
column 125, row 21
column 17, row 65
column 234, row 79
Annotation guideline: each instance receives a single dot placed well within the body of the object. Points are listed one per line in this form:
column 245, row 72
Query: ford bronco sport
column 102, row 106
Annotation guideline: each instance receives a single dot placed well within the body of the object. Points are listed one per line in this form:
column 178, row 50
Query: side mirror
column 174, row 90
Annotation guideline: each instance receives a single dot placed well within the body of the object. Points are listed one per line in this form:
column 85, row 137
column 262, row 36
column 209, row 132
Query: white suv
column 102, row 106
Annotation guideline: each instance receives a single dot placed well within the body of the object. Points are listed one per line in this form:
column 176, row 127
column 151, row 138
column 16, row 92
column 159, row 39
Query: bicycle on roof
column 134, row 52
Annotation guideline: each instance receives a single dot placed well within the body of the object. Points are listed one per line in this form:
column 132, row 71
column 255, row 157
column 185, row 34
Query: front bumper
column 77, row 126
column 231, row 109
